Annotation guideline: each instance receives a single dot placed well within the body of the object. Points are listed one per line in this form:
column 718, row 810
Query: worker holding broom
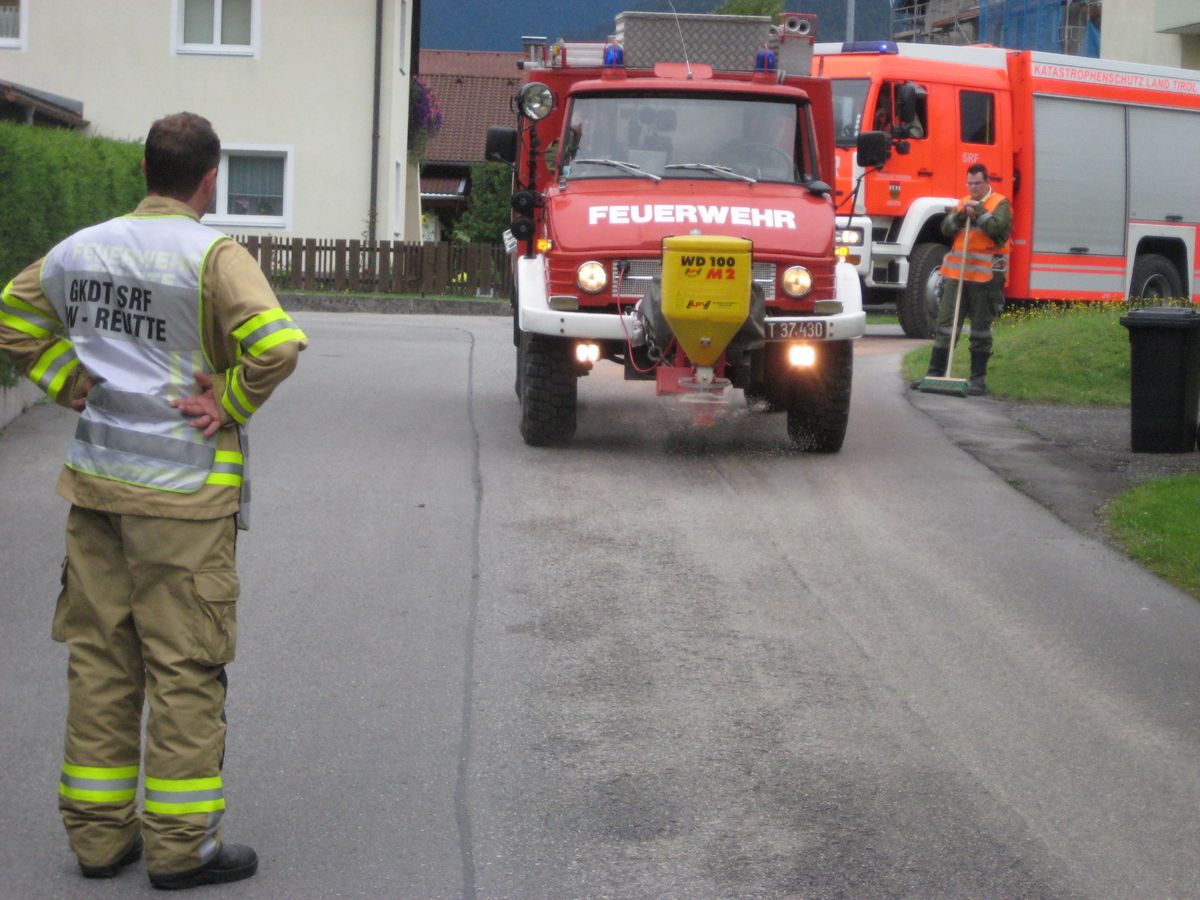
column 973, row 272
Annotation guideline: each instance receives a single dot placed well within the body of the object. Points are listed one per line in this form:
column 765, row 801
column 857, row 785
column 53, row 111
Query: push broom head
column 934, row 384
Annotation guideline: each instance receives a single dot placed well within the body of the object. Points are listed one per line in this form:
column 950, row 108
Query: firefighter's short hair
column 180, row 150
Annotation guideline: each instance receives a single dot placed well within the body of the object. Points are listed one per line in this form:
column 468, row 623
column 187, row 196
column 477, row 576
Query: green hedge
column 53, row 183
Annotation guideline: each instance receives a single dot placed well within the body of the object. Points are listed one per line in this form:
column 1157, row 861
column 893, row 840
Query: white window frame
column 19, row 42
column 180, row 48
column 222, row 216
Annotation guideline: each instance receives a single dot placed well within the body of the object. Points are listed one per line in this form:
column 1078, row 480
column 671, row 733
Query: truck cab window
column 730, row 137
column 902, row 110
column 977, row 117
column 849, row 98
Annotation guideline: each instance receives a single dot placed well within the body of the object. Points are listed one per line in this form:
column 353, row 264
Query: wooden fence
column 387, row 267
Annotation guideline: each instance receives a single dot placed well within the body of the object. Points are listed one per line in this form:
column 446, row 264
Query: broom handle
column 958, row 298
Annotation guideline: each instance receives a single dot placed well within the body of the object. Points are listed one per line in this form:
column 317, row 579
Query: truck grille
column 642, row 271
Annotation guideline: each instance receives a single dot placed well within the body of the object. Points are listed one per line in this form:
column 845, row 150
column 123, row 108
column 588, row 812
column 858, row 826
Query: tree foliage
column 489, row 212
column 770, row 8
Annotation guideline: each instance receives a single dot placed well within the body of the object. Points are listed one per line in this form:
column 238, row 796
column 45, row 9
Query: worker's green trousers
column 982, row 301
column 148, row 610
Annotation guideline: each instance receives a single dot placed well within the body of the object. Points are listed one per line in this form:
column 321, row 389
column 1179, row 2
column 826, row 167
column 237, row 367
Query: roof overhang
column 40, row 104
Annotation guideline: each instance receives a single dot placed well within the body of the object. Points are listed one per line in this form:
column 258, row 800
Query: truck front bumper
column 536, row 317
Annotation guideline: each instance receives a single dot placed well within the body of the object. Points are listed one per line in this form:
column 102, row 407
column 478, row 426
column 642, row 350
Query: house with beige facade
column 1162, row 32
column 310, row 98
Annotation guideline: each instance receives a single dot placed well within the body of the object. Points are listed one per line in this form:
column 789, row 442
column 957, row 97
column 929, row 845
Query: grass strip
column 1072, row 355
column 1158, row 524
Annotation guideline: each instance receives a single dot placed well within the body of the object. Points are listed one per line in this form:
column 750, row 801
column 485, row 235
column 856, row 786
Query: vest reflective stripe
column 234, row 398
column 132, row 288
column 53, row 367
column 98, row 785
column 267, row 330
column 978, row 265
column 20, row 316
column 179, row 797
column 125, row 454
column 973, row 260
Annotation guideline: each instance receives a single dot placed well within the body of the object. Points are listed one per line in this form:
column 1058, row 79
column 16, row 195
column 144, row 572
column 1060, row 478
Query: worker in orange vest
column 980, row 262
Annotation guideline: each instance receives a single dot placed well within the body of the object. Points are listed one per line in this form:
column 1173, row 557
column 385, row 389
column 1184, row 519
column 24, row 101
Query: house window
column 13, row 24
column 216, row 26
column 253, row 188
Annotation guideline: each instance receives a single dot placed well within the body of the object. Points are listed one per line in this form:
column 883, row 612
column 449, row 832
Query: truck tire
column 549, row 388
column 917, row 304
column 1154, row 278
column 818, row 403
column 522, row 341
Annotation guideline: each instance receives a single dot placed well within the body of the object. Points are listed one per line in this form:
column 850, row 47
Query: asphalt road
column 659, row 662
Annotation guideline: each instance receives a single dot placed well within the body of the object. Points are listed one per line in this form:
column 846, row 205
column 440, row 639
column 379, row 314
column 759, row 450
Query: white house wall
column 1127, row 32
column 307, row 91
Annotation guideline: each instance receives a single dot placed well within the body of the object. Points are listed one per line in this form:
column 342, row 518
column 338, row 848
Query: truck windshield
column 849, row 99
column 730, row 137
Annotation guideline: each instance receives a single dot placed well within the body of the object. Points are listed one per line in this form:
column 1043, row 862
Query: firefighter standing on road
column 117, row 321
column 981, row 262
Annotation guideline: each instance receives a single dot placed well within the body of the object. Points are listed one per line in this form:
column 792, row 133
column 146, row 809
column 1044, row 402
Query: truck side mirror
column 501, row 145
column 907, row 97
column 874, row 148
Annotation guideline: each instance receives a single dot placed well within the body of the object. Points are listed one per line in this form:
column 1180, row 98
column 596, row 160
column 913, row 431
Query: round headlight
column 591, row 277
column 797, row 281
column 536, row 100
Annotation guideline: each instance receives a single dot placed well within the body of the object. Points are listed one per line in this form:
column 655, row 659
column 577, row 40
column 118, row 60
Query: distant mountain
column 479, row 25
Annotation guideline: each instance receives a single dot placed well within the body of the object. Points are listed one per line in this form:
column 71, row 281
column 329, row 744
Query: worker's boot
column 938, row 358
column 233, row 862
column 977, row 385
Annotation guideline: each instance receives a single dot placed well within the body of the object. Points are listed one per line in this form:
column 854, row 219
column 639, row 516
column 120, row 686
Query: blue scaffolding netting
column 1031, row 25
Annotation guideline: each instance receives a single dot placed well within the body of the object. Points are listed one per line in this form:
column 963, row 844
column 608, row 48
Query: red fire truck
column 1095, row 155
column 673, row 214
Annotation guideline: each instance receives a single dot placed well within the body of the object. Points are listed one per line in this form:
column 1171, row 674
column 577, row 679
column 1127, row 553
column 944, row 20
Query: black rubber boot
column 130, row 856
column 938, row 357
column 977, row 385
column 233, row 862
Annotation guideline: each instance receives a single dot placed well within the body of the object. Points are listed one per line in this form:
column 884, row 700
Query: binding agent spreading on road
column 979, row 260
column 164, row 334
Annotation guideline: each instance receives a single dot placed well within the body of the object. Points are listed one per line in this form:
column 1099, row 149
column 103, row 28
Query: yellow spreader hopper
column 705, row 292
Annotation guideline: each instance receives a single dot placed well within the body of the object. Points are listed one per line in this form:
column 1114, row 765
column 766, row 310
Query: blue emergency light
column 870, row 47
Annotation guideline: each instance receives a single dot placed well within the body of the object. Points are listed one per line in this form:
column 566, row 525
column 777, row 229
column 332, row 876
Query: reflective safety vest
column 981, row 258
column 128, row 292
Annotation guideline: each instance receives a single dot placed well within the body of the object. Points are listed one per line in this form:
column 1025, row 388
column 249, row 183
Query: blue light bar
column 870, row 47
column 614, row 55
column 764, row 60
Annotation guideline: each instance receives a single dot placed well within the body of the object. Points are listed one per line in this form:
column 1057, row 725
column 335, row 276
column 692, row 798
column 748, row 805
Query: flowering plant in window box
column 424, row 118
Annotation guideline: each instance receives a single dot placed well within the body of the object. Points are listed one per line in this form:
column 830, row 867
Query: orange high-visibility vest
column 975, row 262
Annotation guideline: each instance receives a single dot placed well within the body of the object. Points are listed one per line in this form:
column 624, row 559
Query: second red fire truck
column 1095, row 155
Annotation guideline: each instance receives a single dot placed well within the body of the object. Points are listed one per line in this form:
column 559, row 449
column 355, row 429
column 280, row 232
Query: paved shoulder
column 1072, row 460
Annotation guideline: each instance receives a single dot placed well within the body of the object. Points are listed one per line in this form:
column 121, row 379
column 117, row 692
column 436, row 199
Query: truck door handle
column 926, row 173
column 1080, row 250
column 1174, row 217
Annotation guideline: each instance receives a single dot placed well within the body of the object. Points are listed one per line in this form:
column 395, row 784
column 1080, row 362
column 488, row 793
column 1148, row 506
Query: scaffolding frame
column 1057, row 26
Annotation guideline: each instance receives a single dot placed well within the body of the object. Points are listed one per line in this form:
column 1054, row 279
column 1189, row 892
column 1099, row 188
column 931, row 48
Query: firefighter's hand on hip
column 201, row 409
column 79, row 404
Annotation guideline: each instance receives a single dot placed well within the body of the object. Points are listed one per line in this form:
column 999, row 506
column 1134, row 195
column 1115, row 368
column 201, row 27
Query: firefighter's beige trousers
column 148, row 610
